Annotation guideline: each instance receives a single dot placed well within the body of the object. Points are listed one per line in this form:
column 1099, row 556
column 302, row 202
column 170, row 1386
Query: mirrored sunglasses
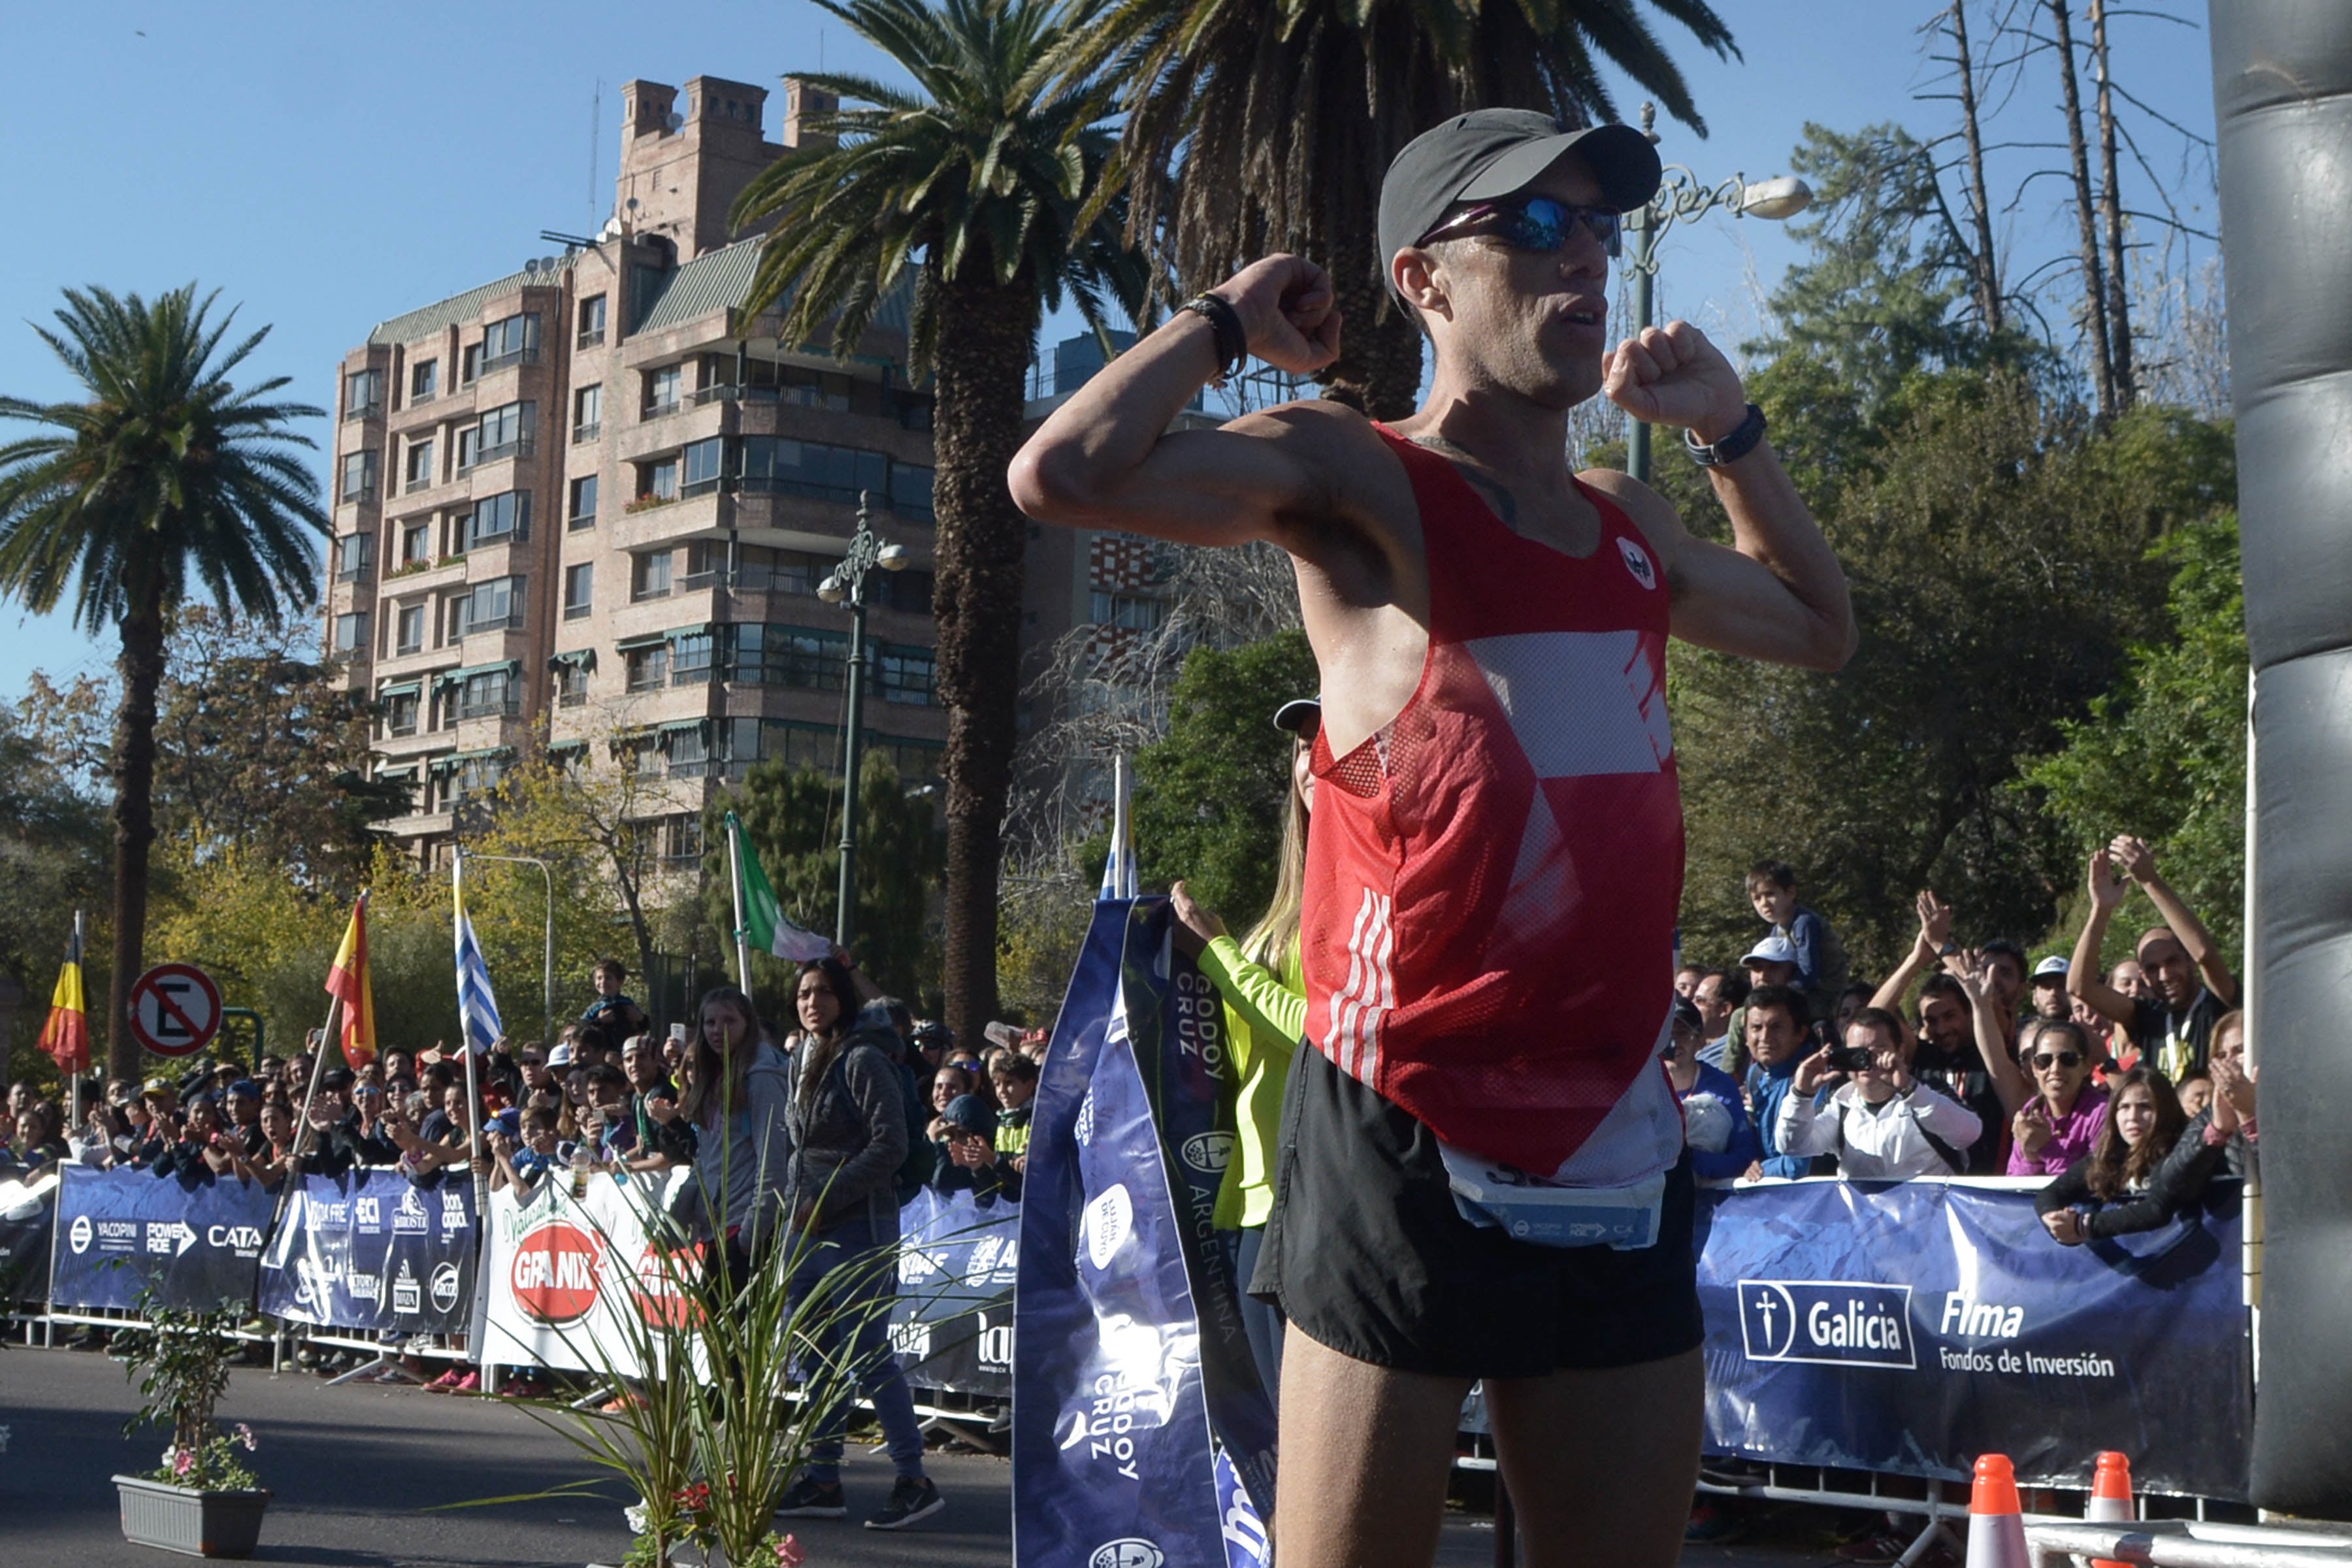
column 1538, row 224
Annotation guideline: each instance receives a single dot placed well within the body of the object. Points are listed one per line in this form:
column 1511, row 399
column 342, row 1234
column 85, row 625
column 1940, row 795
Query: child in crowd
column 968, row 1162
column 1819, row 957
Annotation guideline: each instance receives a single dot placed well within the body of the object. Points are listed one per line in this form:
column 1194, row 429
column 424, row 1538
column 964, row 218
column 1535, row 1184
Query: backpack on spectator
column 922, row 1159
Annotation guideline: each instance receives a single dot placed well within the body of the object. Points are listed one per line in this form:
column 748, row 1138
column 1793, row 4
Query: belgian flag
column 66, row 1036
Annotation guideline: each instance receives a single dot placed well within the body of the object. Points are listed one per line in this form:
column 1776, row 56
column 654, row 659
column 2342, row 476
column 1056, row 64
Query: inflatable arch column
column 2283, row 96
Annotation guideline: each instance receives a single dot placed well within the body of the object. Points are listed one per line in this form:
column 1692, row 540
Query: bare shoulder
column 1313, row 427
column 1356, row 485
column 1653, row 514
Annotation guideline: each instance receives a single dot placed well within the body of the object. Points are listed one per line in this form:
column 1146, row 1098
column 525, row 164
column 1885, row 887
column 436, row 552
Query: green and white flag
column 765, row 925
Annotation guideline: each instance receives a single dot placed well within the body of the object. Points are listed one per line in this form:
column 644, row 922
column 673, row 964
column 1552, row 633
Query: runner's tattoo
column 1505, row 506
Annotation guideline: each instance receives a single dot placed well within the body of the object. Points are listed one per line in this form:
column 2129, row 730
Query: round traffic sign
column 176, row 1010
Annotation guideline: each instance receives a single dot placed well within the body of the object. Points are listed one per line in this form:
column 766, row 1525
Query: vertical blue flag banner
column 477, row 1006
column 1908, row 1327
column 119, row 1231
column 951, row 1324
column 1139, row 1433
column 372, row 1250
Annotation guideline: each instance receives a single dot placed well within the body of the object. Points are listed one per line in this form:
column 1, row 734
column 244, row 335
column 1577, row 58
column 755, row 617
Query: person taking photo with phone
column 1882, row 1123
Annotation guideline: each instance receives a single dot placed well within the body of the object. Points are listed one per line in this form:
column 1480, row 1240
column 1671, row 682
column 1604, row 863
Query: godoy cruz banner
column 952, row 1324
column 372, row 1250
column 119, row 1231
column 1908, row 1327
column 1120, row 1430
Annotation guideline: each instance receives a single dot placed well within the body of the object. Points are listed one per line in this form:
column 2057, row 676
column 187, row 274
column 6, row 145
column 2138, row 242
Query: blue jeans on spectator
column 852, row 1243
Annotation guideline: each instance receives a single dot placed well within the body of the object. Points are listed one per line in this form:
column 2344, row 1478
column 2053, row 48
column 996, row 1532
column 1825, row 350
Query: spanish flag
column 66, row 1036
column 347, row 982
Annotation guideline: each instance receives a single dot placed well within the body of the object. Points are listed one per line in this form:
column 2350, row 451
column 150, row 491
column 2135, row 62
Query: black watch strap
column 1231, row 338
column 1732, row 447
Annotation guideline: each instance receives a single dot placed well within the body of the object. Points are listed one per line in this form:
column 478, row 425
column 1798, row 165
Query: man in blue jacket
column 1776, row 1043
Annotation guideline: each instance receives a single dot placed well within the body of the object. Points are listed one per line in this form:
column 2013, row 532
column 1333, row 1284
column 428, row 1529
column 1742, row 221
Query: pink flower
column 790, row 1554
column 244, row 1436
column 183, row 1460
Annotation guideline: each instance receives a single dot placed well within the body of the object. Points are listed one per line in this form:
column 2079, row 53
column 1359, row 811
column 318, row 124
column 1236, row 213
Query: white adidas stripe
column 1357, row 1009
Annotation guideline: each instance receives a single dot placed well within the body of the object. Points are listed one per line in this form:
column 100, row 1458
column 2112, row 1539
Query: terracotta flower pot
column 184, row 1520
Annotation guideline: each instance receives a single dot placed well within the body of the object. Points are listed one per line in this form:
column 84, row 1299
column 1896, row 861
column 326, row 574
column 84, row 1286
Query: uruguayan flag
column 1119, row 879
column 477, row 1005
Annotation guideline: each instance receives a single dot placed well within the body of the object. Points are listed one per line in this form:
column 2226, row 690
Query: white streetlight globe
column 831, row 591
column 895, row 558
column 1783, row 196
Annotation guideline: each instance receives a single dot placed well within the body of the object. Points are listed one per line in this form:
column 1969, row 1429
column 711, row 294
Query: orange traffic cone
column 2111, row 1498
column 1996, row 1524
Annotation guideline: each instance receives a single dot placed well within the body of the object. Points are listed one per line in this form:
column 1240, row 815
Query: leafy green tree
column 1255, row 127
column 53, row 857
column 163, row 479
column 1209, row 799
column 2163, row 755
column 980, row 185
column 793, row 817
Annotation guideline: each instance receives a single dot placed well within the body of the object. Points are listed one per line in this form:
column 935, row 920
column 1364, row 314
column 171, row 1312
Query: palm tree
column 1256, row 126
column 164, row 477
column 980, row 185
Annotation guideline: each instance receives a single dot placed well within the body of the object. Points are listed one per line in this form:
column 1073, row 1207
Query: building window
column 1127, row 612
column 648, row 667
column 424, row 380
column 776, row 464
column 584, row 501
column 497, row 519
column 503, row 432
column 493, row 606
column 592, row 321
column 409, row 630
column 489, row 695
column 760, row 570
column 689, row 753
column 786, row 656
column 511, row 341
column 475, row 776
column 419, row 471
column 661, row 392
column 359, row 476
column 579, row 589
column 689, row 659
column 702, row 462
column 911, row 490
column 650, row 575
column 572, row 683
column 362, row 393
column 918, row 762
column 354, row 553
column 352, row 634
column 417, row 543
column 905, row 674
column 680, row 839
column 469, row 364
column 658, row 481
column 907, row 591
column 400, row 714
column 588, row 413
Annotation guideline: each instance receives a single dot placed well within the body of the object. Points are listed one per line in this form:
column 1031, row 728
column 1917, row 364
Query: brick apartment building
column 595, row 496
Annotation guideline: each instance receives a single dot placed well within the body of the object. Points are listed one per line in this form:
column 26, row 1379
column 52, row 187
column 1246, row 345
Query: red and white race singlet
column 1492, row 880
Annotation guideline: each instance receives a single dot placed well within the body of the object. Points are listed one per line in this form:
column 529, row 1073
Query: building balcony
column 662, row 433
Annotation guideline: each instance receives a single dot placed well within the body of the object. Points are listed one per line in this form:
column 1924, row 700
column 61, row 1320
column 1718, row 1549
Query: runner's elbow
column 1050, row 481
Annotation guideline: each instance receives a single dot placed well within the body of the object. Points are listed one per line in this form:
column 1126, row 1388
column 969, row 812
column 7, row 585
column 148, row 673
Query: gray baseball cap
column 1490, row 154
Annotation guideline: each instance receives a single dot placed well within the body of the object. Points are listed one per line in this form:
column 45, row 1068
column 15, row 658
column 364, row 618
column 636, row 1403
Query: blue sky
column 328, row 165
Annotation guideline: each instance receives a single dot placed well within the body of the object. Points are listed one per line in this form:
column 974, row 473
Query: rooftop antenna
column 595, row 135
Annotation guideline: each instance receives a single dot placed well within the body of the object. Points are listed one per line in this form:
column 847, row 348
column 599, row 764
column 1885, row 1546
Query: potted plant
column 201, row 1500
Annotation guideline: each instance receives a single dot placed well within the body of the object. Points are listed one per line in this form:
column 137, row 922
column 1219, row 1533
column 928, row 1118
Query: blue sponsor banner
column 120, row 1231
column 1908, row 1327
column 951, row 1324
column 371, row 1250
column 1114, row 1461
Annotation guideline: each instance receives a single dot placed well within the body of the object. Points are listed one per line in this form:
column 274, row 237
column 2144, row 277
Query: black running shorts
column 1367, row 1254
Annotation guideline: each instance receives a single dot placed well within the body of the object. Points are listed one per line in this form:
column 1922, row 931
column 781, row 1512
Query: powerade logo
column 1830, row 1322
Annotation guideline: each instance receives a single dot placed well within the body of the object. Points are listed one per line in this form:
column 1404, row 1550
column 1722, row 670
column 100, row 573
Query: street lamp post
column 847, row 585
column 545, row 871
column 1680, row 197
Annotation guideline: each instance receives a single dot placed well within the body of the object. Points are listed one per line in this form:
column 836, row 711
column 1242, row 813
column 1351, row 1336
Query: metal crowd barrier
column 2182, row 1543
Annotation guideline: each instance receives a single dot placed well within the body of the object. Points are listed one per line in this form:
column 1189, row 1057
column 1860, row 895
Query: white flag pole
column 743, row 933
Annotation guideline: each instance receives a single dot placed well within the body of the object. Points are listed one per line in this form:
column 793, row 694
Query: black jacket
column 2177, row 1183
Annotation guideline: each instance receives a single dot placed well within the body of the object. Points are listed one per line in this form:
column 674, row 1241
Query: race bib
column 1494, row 1196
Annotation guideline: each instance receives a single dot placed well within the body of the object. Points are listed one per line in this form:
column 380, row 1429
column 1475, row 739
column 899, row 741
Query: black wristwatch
column 1732, row 447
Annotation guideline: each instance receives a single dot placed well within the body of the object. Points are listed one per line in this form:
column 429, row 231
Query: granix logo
column 1827, row 1321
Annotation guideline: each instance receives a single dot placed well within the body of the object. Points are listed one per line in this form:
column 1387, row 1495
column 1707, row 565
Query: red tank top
column 1492, row 880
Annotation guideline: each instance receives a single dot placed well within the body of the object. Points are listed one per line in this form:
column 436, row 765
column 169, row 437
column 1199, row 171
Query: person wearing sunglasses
column 1494, row 872
column 2061, row 1123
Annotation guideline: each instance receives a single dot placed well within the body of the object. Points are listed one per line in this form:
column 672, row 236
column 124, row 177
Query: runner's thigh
column 1367, row 1452
column 1602, row 1464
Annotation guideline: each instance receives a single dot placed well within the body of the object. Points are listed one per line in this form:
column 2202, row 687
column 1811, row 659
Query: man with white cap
column 1495, row 859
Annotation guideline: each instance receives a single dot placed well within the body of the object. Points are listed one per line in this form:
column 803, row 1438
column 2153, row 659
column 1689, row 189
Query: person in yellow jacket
column 1265, row 1011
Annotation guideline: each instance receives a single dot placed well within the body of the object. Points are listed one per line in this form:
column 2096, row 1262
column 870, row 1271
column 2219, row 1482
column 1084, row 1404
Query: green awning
column 630, row 644
column 449, row 677
column 679, row 634
column 398, row 689
column 583, row 658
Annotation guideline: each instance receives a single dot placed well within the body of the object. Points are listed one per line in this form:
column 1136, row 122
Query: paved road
column 356, row 1467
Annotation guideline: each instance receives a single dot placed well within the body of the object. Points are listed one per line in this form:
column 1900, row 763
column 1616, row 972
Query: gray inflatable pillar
column 2283, row 93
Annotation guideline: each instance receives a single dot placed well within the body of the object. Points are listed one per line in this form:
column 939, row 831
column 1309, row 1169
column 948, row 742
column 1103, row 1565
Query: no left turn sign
column 176, row 1010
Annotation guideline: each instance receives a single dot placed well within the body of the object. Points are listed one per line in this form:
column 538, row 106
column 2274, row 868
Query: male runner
column 1496, row 855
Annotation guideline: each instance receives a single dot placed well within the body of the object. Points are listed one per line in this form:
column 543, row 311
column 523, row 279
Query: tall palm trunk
column 985, row 332
column 1379, row 368
column 141, row 667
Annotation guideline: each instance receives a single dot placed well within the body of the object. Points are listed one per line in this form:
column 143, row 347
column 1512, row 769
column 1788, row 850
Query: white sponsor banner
column 566, row 1279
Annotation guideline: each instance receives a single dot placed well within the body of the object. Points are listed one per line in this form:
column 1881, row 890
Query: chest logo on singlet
column 1637, row 561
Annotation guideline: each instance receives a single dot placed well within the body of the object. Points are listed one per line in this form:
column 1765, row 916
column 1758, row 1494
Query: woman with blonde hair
column 1264, row 994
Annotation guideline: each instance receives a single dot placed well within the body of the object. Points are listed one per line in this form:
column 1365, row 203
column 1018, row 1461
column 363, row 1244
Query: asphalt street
column 360, row 1470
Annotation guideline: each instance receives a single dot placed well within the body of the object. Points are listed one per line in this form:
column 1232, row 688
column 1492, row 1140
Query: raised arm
column 1777, row 592
column 1106, row 458
column 1934, row 929
column 2083, row 970
column 2139, row 864
column 2009, row 1080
